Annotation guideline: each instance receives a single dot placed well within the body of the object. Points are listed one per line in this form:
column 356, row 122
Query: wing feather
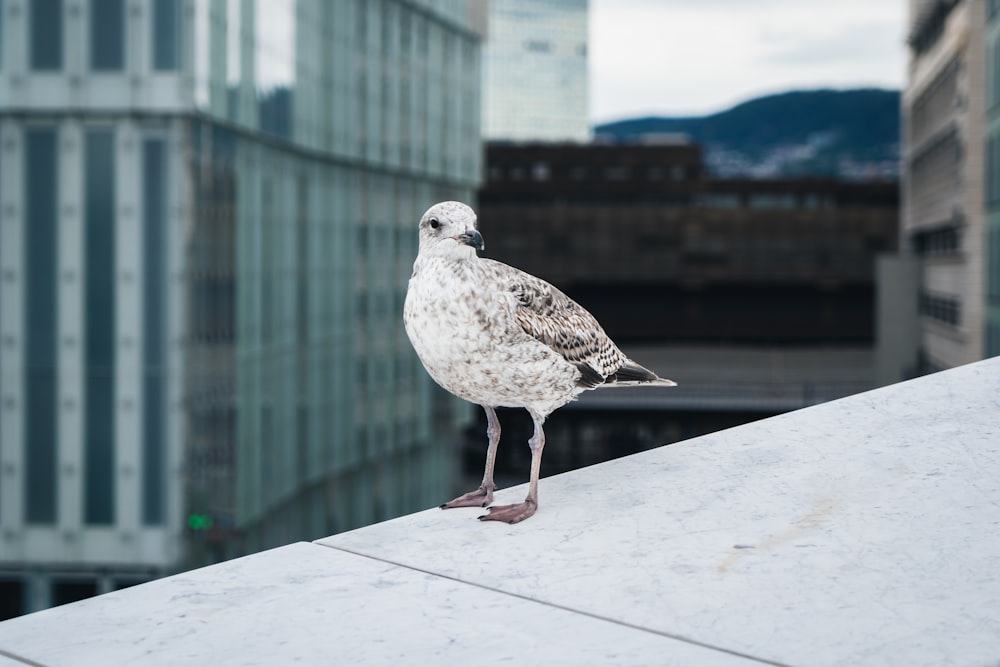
column 548, row 315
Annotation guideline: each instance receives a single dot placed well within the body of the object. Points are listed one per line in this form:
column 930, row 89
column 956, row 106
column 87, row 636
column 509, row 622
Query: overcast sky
column 691, row 57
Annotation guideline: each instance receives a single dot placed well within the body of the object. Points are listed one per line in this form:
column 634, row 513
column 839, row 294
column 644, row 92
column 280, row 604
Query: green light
column 199, row 522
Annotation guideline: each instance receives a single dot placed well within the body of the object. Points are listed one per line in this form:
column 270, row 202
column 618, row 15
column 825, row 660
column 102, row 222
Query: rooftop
column 863, row 531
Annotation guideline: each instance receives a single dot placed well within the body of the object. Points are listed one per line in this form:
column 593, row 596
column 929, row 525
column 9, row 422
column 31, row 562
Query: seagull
column 499, row 337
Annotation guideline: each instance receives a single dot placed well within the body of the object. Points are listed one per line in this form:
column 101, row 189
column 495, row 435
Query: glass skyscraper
column 535, row 79
column 207, row 223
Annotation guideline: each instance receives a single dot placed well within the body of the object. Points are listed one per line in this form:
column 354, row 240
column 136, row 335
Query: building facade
column 208, row 221
column 535, row 78
column 991, row 316
column 721, row 260
column 944, row 158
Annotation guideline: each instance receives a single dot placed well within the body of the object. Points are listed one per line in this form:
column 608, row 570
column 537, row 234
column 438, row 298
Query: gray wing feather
column 548, row 315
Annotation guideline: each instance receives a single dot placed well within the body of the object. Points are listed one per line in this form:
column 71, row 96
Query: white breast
column 464, row 333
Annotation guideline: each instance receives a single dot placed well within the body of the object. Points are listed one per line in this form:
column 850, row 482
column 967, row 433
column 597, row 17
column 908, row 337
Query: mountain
column 847, row 133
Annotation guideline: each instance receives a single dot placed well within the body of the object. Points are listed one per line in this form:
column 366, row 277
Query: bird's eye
column 435, row 223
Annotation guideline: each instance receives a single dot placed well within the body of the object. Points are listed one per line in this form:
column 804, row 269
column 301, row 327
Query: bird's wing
column 545, row 313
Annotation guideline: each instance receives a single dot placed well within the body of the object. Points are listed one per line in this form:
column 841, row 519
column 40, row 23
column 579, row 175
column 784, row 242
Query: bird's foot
column 511, row 513
column 481, row 497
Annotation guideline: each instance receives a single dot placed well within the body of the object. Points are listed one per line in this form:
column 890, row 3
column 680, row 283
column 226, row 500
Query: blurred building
column 208, row 221
column 756, row 296
column 943, row 235
column 711, row 260
column 535, row 78
column 991, row 342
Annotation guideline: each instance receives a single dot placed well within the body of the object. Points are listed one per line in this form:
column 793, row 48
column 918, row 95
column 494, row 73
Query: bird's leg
column 521, row 511
column 483, row 496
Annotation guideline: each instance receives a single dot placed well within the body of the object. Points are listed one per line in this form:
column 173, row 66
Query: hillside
column 847, row 133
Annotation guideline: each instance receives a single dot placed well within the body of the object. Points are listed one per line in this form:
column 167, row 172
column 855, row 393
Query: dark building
column 757, row 296
column 735, row 261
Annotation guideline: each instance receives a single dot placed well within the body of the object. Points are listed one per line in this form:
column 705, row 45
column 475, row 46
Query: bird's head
column 449, row 229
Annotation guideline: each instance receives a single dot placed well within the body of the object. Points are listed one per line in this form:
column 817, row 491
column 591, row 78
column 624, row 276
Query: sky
column 693, row 57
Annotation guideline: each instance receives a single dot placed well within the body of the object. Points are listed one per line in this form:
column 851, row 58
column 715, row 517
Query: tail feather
column 658, row 382
column 632, row 374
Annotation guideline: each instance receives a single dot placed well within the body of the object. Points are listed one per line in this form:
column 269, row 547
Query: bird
column 497, row 336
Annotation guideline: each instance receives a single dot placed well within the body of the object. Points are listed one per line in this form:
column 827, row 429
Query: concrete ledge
column 864, row 531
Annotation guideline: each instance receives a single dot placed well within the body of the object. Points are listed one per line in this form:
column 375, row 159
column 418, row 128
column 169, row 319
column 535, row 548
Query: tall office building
column 944, row 158
column 207, row 221
column 535, row 80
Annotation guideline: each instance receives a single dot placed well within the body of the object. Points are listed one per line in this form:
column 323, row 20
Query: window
column 942, row 308
column 993, row 265
column 302, row 325
column 992, row 72
column 992, row 176
column 128, row 581
column 234, row 51
column 2, row 10
column 107, row 35
column 40, row 313
column 99, row 306
column 814, row 201
column 538, row 46
column 993, row 289
column 929, row 25
column 154, row 327
column 772, row 201
column 46, row 35
column 166, row 34
column 937, row 242
column 72, row 590
column 616, row 173
column 992, row 339
column 12, row 598
column 540, row 171
column 719, row 200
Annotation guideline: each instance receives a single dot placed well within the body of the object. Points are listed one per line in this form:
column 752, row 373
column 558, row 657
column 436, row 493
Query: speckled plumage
column 497, row 336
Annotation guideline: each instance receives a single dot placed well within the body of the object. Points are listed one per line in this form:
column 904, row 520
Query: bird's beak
column 473, row 238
